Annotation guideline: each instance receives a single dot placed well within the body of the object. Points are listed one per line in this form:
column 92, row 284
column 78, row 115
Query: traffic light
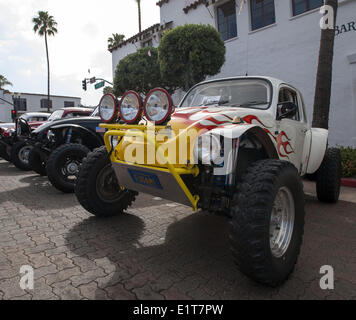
column 13, row 114
column 84, row 84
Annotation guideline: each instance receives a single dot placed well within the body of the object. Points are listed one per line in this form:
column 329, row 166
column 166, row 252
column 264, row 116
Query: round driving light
column 158, row 106
column 130, row 107
column 107, row 108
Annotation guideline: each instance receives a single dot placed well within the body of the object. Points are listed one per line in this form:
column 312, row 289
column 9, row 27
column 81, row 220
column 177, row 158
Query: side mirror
column 287, row 110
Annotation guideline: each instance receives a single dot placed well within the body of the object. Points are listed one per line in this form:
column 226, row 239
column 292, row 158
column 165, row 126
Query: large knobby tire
column 63, row 166
column 36, row 162
column 3, row 153
column 19, row 156
column 267, row 224
column 97, row 188
column 328, row 177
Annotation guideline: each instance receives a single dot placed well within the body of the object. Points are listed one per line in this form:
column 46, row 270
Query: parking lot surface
column 158, row 250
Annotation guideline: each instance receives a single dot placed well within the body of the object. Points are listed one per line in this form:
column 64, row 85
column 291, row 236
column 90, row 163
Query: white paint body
column 294, row 141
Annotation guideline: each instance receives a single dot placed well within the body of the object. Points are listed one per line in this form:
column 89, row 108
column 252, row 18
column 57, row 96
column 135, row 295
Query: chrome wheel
column 282, row 222
column 24, row 154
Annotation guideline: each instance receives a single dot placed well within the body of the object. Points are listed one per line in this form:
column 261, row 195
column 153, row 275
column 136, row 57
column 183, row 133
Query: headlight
column 130, row 108
column 107, row 108
column 158, row 106
column 207, row 149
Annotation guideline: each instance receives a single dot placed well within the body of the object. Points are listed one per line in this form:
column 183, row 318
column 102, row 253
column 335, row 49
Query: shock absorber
column 69, row 135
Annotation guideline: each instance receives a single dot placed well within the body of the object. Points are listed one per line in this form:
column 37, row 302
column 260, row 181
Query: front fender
column 319, row 142
column 77, row 128
column 238, row 131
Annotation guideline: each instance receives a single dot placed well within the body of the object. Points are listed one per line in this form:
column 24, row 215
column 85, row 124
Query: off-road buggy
column 249, row 145
column 57, row 148
column 14, row 139
column 12, row 147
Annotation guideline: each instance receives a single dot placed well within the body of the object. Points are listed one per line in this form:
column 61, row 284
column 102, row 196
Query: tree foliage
column 115, row 40
column 138, row 71
column 108, row 89
column 44, row 24
column 190, row 53
column 4, row 82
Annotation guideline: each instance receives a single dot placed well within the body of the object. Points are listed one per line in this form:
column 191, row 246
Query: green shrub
column 348, row 156
column 190, row 53
column 138, row 71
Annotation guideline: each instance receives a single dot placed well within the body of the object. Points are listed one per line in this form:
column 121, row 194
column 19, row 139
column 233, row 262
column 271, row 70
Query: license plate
column 146, row 179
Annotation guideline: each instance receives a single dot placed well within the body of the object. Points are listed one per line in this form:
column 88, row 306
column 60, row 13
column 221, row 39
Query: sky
column 80, row 45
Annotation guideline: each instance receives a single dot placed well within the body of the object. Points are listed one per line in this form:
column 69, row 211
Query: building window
column 227, row 25
column 20, row 104
column 44, row 103
column 301, row 6
column 262, row 13
column 68, row 104
column 148, row 43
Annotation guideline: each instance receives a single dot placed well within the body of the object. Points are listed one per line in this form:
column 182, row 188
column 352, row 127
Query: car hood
column 49, row 124
column 7, row 125
column 208, row 118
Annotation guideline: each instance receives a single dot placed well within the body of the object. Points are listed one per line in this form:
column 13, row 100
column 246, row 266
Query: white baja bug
column 249, row 145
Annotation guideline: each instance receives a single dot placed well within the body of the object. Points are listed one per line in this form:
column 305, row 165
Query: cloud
column 81, row 43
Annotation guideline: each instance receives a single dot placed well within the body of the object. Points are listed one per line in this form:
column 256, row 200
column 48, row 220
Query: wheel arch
column 245, row 132
column 253, row 143
column 260, row 135
column 91, row 139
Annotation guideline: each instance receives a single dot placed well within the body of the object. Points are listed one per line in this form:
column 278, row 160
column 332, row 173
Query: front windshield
column 245, row 93
column 56, row 115
column 95, row 112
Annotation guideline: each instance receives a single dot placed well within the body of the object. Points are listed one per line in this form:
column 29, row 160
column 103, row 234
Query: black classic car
column 57, row 149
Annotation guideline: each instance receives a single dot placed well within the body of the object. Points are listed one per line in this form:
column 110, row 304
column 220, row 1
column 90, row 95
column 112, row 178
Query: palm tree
column 4, row 82
column 139, row 15
column 324, row 74
column 115, row 40
column 46, row 26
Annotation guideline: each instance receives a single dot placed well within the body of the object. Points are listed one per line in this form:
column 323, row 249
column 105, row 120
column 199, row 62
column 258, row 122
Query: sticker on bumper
column 145, row 179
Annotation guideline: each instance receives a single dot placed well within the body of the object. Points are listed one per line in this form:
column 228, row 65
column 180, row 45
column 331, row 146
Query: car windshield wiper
column 252, row 103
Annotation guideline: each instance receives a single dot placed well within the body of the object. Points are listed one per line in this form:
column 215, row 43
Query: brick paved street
column 158, row 250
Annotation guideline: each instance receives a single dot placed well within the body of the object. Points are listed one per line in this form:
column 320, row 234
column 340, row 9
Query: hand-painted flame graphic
column 249, row 120
column 282, row 140
column 285, row 144
column 216, row 119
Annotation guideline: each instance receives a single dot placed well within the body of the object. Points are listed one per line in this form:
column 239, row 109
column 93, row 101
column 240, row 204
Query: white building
column 278, row 38
column 31, row 102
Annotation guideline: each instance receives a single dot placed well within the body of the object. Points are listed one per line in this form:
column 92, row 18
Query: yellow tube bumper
column 140, row 131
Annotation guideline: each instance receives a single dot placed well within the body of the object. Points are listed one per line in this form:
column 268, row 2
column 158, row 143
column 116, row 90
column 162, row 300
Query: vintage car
column 237, row 147
column 57, row 148
column 13, row 140
column 8, row 131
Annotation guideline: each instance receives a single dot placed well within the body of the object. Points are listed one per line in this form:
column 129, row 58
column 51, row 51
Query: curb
column 348, row 182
